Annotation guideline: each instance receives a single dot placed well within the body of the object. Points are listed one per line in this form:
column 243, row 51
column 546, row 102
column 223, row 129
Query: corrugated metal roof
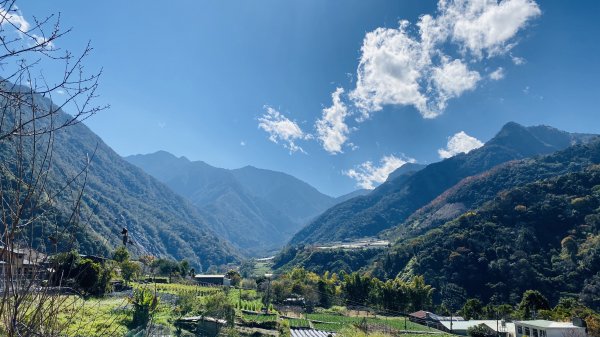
column 310, row 333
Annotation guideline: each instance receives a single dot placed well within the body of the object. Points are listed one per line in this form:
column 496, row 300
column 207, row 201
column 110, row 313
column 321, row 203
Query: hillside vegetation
column 544, row 235
column 116, row 195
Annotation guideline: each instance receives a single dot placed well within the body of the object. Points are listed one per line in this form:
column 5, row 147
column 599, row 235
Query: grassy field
column 337, row 322
column 112, row 315
column 96, row 317
column 298, row 323
column 262, row 267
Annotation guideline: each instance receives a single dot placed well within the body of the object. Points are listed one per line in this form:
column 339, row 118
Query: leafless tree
column 32, row 102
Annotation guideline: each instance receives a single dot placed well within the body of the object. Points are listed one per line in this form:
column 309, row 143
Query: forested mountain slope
column 391, row 203
column 118, row 194
column 543, row 235
column 256, row 209
column 473, row 191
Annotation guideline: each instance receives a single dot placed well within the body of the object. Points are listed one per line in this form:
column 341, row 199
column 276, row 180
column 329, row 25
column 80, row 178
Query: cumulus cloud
column 400, row 66
column 282, row 129
column 332, row 130
column 368, row 175
column 390, row 70
column 497, row 74
column 451, row 80
column 487, row 26
column 459, row 143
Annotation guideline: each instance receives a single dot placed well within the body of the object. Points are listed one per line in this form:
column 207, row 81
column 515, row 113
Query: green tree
column 531, row 302
column 235, row 277
column 184, row 268
column 472, row 309
column 453, row 296
column 88, row 274
column 121, row 254
column 130, row 270
column 420, row 293
column 165, row 267
column 480, row 330
column 219, row 306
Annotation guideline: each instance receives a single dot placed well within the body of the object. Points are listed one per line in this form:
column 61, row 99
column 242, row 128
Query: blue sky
column 218, row 81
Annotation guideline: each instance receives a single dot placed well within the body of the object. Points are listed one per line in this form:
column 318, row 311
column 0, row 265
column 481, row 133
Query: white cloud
column 242, row 143
column 400, row 66
column 487, row 26
column 282, row 129
column 390, row 70
column 451, row 80
column 517, row 60
column 42, row 42
column 497, row 74
column 368, row 175
column 15, row 18
column 459, row 143
column 332, row 130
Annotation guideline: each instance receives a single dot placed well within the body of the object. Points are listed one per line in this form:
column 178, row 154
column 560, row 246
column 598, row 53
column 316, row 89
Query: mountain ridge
column 396, row 199
column 257, row 209
column 118, row 194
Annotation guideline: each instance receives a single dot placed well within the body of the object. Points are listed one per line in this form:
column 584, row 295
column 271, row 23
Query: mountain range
column 395, row 200
column 116, row 194
column 257, row 210
column 530, row 223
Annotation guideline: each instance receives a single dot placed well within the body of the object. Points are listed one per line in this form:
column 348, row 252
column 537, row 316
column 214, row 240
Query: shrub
column 144, row 304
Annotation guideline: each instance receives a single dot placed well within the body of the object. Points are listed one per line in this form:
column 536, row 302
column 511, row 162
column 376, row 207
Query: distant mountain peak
column 406, row 168
column 257, row 209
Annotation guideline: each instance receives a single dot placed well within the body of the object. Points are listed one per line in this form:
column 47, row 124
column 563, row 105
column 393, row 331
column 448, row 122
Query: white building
column 219, row 280
column 461, row 327
column 543, row 328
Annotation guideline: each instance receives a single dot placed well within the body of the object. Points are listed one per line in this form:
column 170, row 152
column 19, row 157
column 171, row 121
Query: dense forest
column 544, row 235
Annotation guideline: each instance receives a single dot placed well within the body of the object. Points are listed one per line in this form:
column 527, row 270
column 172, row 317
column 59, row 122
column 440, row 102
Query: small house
column 219, row 280
column 543, row 328
column 22, row 263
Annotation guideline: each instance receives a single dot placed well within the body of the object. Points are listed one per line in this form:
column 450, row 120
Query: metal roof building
column 311, row 333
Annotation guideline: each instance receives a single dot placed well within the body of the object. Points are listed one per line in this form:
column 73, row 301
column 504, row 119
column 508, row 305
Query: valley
column 299, row 169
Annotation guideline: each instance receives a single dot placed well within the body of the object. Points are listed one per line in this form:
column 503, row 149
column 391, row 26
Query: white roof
column 209, row 276
column 310, row 333
column 547, row 324
column 492, row 324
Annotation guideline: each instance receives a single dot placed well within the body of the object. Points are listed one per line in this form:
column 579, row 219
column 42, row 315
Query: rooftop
column 492, row 324
column 310, row 333
column 547, row 324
